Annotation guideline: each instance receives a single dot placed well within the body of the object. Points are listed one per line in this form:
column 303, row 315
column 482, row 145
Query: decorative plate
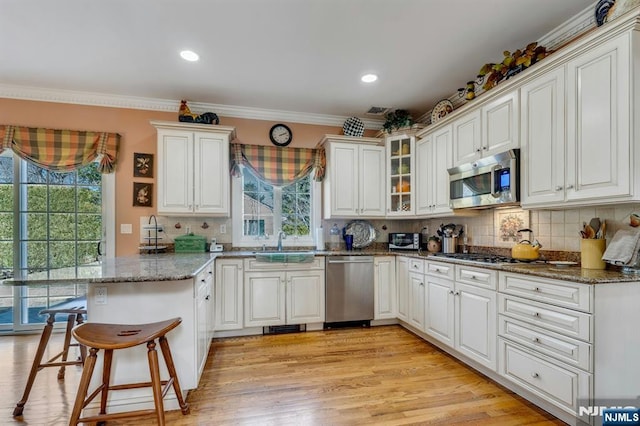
column 441, row 109
column 353, row 126
column 364, row 234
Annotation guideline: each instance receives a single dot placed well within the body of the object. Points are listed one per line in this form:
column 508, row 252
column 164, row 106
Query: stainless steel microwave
column 407, row 241
column 488, row 182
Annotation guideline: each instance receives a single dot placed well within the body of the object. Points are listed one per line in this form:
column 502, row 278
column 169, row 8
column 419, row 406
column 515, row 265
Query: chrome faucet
column 281, row 236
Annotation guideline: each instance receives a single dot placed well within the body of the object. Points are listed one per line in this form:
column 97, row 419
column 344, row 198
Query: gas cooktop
column 482, row 258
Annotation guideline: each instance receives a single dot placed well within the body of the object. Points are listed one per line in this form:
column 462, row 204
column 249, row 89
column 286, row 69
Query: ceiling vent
column 380, row 111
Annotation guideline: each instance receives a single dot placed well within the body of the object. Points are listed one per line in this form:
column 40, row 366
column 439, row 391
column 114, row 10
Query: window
column 266, row 209
column 48, row 220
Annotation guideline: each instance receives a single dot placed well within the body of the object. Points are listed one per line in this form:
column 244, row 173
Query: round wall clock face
column 280, row 135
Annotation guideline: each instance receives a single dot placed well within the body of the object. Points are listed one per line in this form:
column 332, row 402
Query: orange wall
column 137, row 136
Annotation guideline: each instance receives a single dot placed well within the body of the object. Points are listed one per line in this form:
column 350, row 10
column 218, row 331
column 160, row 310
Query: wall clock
column 280, row 135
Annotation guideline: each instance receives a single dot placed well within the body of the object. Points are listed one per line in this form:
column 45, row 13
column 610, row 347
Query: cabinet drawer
column 416, row 265
column 559, row 384
column 571, row 351
column 251, row 264
column 479, row 277
column 437, row 269
column 564, row 321
column 561, row 293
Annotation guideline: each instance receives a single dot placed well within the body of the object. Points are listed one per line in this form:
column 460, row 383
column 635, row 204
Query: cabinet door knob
column 569, row 186
column 558, row 188
column 535, row 375
column 206, row 298
column 478, row 150
column 536, row 340
column 485, row 148
column 536, row 314
column 450, row 291
column 457, row 293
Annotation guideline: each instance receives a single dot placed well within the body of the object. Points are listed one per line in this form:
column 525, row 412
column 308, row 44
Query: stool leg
column 83, row 387
column 67, row 342
column 83, row 348
column 155, row 381
column 168, row 359
column 106, row 379
column 35, row 367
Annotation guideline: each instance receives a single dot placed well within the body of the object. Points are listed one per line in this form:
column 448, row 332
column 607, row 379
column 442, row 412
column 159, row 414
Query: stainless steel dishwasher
column 349, row 289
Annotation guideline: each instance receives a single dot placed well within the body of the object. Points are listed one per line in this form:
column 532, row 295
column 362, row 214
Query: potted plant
column 397, row 120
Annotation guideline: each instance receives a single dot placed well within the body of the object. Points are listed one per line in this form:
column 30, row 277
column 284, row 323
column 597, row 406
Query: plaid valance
column 61, row 150
column 278, row 166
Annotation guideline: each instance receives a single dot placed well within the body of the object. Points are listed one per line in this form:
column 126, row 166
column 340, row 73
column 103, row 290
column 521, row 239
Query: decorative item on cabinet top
column 396, row 120
column 353, row 126
column 185, row 115
column 511, row 64
column 442, row 108
column 608, row 10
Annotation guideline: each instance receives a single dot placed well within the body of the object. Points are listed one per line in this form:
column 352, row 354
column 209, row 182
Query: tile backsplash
column 554, row 229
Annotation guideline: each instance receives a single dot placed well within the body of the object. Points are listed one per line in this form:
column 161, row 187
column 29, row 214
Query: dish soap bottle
column 334, row 238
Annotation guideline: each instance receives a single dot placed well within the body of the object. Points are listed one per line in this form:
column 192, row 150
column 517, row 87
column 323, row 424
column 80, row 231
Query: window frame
column 107, row 240
column 240, row 240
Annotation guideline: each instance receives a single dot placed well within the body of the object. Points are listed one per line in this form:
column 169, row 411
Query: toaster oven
column 405, row 241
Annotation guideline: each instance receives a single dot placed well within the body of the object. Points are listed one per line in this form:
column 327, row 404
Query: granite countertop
column 545, row 270
column 138, row 268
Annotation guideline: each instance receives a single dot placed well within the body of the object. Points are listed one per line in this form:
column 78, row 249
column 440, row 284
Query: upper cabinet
column 487, row 130
column 433, row 158
column 193, row 169
column 576, row 140
column 400, row 174
column 354, row 183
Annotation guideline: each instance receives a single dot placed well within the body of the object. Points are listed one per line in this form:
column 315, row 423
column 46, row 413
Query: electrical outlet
column 101, row 295
column 223, row 229
column 126, row 228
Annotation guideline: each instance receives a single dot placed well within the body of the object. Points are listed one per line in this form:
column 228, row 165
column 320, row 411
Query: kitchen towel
column 623, row 248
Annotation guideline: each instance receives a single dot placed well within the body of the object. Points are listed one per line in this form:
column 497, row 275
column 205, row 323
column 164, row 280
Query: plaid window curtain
column 278, row 166
column 61, row 150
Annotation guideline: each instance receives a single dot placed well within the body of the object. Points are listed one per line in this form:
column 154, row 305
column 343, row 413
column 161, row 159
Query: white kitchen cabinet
column 433, row 158
column 402, row 282
column 193, row 169
column 354, row 184
column 461, row 312
column 400, row 175
column 294, row 294
column 593, row 163
column 385, row 287
column 543, row 139
column 416, row 292
column 204, row 307
column 488, row 130
column 599, row 87
column 229, row 288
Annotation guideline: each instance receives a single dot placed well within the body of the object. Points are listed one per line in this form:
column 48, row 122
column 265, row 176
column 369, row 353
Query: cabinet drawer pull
column 535, row 375
column 536, row 289
column 422, row 284
column 536, row 340
column 473, row 277
column 536, row 314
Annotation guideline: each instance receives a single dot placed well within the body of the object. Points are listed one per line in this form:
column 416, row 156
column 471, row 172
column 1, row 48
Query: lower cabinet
column 461, row 309
column 384, row 280
column 402, row 285
column 229, row 294
column 416, row 299
column 294, row 294
column 204, row 309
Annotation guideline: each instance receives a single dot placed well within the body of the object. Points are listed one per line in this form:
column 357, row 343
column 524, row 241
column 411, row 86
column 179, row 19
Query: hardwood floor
column 382, row 375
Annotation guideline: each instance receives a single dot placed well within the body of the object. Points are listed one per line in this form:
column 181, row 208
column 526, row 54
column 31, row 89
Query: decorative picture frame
column 142, row 194
column 506, row 225
column 142, row 165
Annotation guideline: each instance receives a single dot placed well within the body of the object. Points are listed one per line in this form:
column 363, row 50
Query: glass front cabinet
column 400, row 174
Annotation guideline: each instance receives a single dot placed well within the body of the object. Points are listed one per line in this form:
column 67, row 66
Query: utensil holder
column 591, row 251
column 449, row 244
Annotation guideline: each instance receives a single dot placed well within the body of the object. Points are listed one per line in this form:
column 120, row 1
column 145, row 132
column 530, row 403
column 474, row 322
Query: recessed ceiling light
column 369, row 78
column 189, row 55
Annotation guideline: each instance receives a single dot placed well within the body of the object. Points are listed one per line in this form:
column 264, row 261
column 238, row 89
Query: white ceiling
column 291, row 55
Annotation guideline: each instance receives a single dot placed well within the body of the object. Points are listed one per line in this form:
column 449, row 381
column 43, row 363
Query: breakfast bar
column 144, row 289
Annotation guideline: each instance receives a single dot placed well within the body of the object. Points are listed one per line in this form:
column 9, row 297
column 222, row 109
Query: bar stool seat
column 75, row 315
column 112, row 337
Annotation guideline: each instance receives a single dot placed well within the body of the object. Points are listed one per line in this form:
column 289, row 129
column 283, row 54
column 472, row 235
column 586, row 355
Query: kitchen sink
column 285, row 256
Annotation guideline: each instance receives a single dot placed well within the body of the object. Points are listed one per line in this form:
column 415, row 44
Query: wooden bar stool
column 120, row 336
column 74, row 315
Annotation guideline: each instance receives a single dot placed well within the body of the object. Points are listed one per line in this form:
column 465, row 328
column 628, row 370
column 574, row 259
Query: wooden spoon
column 595, row 224
column 589, row 231
column 603, row 229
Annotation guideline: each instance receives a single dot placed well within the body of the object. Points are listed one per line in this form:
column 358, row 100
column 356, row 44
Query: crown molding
column 171, row 105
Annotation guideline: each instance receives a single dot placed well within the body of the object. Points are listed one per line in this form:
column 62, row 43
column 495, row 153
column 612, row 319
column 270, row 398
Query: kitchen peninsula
column 143, row 289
